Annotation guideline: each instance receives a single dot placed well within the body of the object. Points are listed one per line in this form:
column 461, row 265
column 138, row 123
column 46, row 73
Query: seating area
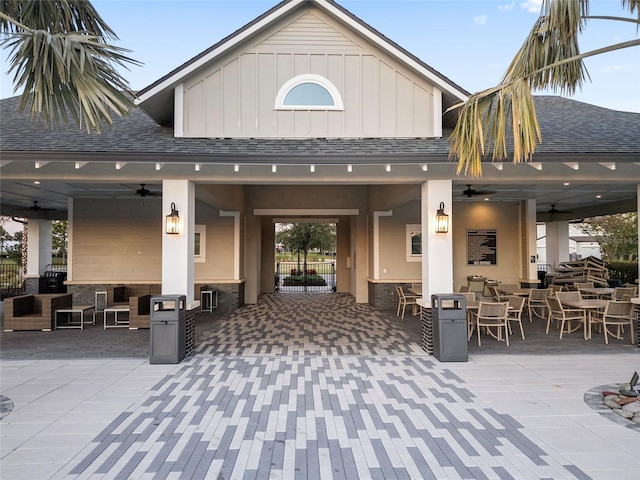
column 120, row 306
column 34, row 312
column 568, row 308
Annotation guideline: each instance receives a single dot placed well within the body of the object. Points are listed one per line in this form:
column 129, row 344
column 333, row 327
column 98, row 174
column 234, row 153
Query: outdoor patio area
column 312, row 386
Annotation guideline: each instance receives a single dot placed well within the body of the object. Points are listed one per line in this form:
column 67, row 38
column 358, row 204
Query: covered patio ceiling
column 561, row 191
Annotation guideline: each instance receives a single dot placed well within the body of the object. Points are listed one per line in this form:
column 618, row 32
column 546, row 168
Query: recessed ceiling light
column 37, row 182
column 598, row 196
column 566, row 184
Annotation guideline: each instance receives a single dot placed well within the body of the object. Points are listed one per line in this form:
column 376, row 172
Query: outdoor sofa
column 34, row 312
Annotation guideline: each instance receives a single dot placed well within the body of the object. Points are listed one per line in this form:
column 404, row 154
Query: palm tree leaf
column 61, row 72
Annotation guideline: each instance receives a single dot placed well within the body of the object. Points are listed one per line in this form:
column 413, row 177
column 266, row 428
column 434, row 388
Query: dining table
column 588, row 305
column 600, row 292
column 519, row 291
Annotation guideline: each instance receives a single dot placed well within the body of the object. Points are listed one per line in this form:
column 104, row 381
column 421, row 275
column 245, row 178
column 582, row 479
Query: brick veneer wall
column 85, row 294
column 191, row 332
column 230, row 295
column 383, row 295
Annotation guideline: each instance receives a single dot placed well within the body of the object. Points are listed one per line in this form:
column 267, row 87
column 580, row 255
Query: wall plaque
column 482, row 247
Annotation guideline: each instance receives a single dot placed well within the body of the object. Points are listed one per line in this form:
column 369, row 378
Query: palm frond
column 54, row 16
column 61, row 60
column 69, row 74
column 549, row 58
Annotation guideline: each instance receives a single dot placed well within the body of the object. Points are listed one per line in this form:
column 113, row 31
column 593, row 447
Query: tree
column 302, row 237
column 549, row 58
column 617, row 235
column 59, row 240
column 60, row 56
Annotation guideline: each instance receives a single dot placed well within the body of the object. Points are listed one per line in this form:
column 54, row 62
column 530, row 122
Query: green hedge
column 299, row 280
column 627, row 272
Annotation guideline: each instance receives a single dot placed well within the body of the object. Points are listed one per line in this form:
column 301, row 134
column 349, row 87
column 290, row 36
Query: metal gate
column 314, row 277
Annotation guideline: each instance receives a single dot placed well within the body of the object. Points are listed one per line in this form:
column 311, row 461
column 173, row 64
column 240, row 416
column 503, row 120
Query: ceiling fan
column 553, row 210
column 35, row 207
column 470, row 192
column 145, row 192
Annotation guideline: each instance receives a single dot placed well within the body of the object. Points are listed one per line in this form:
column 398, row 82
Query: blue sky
column 470, row 41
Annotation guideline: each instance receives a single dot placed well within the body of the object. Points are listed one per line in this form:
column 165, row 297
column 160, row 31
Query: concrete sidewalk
column 331, row 390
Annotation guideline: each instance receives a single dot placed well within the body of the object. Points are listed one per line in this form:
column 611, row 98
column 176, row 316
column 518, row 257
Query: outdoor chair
column 618, row 292
column 565, row 316
column 557, row 288
column 536, row 304
column 516, row 306
column 404, row 300
column 476, row 285
column 582, row 285
column 496, row 296
column 488, row 316
column 619, row 314
column 574, row 296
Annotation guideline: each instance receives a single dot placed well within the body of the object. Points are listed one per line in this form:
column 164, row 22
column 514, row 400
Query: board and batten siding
column 117, row 240
column 235, row 96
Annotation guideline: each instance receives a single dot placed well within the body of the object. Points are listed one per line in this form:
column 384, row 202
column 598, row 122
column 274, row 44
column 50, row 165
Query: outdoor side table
column 117, row 323
column 208, row 300
column 79, row 309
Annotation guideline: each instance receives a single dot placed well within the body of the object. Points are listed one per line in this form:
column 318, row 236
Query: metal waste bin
column 168, row 329
column 449, row 313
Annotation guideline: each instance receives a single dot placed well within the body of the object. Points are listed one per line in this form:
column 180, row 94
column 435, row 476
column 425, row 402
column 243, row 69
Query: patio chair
column 565, row 316
column 574, row 296
column 476, row 285
column 556, row 288
column 404, row 300
column 618, row 292
column 516, row 306
column 582, row 285
column 536, row 304
column 619, row 314
column 496, row 296
column 488, row 316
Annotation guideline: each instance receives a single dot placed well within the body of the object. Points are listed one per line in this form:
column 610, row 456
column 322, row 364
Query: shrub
column 299, row 280
column 627, row 272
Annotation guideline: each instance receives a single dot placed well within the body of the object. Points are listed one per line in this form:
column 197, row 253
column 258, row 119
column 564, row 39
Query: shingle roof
column 568, row 127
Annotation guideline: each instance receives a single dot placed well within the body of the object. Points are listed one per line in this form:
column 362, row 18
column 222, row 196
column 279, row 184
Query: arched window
column 309, row 92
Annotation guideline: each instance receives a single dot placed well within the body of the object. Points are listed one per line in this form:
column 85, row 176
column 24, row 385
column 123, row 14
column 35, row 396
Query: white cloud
column 617, row 68
column 532, row 6
column 480, row 19
column 507, row 7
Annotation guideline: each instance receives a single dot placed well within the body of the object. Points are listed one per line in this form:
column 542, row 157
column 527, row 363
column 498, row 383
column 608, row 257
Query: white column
column 39, row 250
column 530, row 232
column 177, row 250
column 437, row 248
column 638, row 210
column 557, row 243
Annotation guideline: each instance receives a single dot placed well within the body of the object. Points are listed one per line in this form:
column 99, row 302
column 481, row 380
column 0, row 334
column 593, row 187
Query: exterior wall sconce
column 173, row 221
column 442, row 220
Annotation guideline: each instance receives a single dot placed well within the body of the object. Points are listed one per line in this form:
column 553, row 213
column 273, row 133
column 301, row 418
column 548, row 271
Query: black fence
column 11, row 280
column 314, row 277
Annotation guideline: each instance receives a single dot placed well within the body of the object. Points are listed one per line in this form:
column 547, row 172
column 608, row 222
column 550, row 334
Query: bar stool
column 207, row 297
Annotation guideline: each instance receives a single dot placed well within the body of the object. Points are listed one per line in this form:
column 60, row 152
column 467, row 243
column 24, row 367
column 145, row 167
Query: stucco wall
column 116, row 240
column 121, row 240
column 502, row 216
column 392, row 238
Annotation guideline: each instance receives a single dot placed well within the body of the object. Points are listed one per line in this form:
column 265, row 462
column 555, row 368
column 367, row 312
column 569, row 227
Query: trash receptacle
column 168, row 329
column 449, row 313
